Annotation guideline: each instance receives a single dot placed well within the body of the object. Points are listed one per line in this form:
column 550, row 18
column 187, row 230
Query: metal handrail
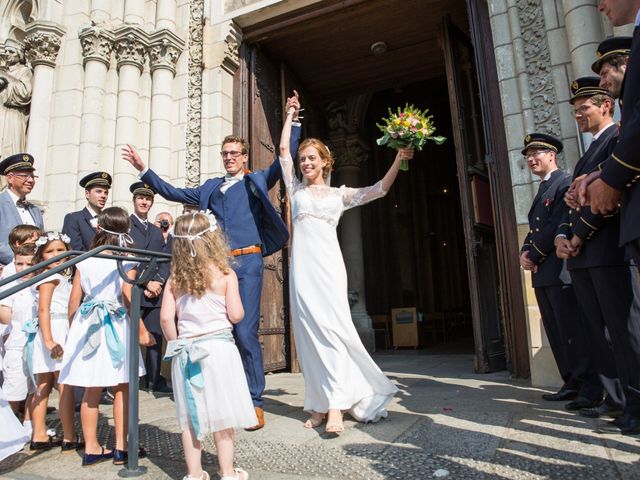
column 141, row 256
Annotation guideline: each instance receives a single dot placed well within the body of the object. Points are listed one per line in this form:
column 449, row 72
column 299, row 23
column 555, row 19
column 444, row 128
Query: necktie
column 544, row 184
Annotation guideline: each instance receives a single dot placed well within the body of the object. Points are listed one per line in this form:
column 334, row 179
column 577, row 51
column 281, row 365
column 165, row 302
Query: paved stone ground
column 444, row 418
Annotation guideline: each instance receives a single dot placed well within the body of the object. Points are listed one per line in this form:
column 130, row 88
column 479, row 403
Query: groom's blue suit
column 247, row 217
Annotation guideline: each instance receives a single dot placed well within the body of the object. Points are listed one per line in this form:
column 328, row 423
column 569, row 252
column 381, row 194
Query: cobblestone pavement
column 445, row 418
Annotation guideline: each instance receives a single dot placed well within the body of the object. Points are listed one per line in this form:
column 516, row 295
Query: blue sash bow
column 189, row 353
column 30, row 327
column 99, row 314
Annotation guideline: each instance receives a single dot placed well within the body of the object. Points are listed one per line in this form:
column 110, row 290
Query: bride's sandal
column 334, row 426
column 315, row 420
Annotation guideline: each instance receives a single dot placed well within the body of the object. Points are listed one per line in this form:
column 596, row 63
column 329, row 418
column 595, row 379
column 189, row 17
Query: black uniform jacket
column 544, row 217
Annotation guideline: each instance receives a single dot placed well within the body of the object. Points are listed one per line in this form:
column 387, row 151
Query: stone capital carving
column 348, row 148
column 42, row 42
column 164, row 50
column 231, row 59
column 131, row 43
column 97, row 44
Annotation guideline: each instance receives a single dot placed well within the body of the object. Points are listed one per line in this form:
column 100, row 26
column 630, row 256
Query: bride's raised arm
column 354, row 197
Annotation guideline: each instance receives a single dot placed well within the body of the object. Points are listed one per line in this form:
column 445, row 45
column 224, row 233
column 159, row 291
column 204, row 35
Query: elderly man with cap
column 603, row 280
column 14, row 208
column 80, row 226
column 146, row 236
column 551, row 282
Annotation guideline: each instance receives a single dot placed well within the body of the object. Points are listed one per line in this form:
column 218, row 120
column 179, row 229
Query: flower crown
column 213, row 226
column 51, row 236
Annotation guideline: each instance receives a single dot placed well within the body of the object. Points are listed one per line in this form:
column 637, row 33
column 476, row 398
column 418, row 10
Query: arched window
column 14, row 17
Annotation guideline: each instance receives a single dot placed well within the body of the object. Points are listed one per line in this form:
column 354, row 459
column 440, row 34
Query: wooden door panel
column 265, row 113
column 468, row 133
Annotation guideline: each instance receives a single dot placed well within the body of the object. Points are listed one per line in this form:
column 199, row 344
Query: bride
column 338, row 372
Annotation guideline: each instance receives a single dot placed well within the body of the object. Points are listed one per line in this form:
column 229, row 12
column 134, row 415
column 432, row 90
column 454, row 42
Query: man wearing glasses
column 549, row 276
column 240, row 203
column 14, row 208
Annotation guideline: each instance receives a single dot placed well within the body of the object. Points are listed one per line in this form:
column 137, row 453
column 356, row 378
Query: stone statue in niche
column 15, row 98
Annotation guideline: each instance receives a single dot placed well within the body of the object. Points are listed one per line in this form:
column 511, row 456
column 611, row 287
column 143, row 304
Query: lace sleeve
column 354, row 197
column 289, row 174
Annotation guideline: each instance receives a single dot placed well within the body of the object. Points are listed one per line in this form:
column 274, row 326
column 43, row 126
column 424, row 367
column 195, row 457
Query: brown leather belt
column 246, row 250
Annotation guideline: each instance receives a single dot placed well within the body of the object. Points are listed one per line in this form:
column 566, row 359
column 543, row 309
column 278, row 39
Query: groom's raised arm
column 190, row 196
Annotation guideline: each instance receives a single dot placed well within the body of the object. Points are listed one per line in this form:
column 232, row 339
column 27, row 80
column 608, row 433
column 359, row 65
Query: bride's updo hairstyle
column 324, row 152
column 197, row 244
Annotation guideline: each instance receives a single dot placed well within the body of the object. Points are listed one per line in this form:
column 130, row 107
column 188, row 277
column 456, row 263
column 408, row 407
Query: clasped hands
column 591, row 190
column 293, row 105
column 566, row 248
column 153, row 289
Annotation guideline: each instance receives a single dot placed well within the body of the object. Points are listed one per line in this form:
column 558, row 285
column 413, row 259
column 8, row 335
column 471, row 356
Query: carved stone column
column 350, row 151
column 42, row 44
column 97, row 45
column 164, row 49
column 221, row 60
column 131, row 44
column 584, row 33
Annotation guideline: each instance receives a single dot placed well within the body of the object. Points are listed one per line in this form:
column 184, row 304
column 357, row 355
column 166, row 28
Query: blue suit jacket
column 150, row 239
column 9, row 218
column 273, row 231
column 77, row 226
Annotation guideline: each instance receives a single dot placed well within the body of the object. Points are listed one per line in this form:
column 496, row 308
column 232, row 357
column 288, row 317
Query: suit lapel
column 11, row 207
column 88, row 217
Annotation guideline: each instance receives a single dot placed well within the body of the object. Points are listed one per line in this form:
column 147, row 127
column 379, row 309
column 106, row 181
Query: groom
column 240, row 202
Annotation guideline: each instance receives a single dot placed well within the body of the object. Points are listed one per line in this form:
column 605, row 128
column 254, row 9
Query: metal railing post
column 132, row 468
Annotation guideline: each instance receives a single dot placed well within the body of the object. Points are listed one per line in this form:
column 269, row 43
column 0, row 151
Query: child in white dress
column 209, row 384
column 47, row 333
column 14, row 310
column 96, row 354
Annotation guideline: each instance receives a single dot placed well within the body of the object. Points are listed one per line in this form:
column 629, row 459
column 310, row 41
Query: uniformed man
column 616, row 184
column 612, row 57
column 80, row 226
column 146, row 236
column 551, row 282
column 14, row 208
column 602, row 278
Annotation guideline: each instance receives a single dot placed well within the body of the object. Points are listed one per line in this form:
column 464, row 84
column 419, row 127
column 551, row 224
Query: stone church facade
column 162, row 75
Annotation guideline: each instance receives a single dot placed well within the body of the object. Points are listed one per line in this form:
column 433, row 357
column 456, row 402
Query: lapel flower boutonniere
column 547, row 202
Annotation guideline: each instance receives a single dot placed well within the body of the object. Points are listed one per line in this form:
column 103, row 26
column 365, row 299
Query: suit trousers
column 610, row 298
column 153, row 358
column 564, row 324
column 249, row 269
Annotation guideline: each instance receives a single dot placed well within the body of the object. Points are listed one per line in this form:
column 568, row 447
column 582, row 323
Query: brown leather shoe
column 260, row 415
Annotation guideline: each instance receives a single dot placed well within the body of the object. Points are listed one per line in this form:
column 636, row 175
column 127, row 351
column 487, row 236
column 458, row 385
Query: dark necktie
column 544, row 185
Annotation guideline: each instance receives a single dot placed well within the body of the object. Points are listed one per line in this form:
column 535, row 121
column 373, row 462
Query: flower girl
column 209, row 383
column 46, row 337
column 96, row 353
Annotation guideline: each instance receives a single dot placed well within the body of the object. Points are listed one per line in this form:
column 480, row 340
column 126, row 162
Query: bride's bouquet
column 410, row 127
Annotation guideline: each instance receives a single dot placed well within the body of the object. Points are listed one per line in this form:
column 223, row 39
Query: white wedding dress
column 338, row 371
